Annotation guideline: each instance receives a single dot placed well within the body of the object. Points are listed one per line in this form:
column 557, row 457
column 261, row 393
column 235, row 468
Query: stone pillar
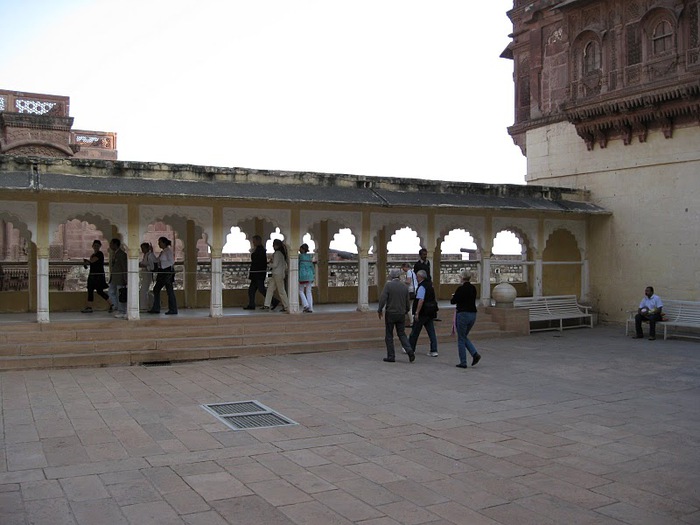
column 486, row 278
column 133, row 253
column 293, row 283
column 537, row 288
column 322, row 263
column 217, row 287
column 380, row 251
column 526, row 268
column 42, row 264
column 585, row 280
column 435, row 265
column 42, row 286
column 132, row 283
column 190, row 277
column 293, row 275
column 363, row 281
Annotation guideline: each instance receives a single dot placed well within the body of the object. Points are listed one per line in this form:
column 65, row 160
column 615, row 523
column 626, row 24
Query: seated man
column 650, row 311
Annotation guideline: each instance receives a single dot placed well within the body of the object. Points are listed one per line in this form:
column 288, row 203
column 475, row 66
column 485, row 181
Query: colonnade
column 130, row 219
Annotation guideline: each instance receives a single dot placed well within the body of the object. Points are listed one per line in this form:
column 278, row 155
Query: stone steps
column 107, row 341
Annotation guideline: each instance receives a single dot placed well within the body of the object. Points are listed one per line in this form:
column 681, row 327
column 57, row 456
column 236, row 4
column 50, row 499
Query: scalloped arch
column 394, row 222
column 279, row 218
column 475, row 226
column 106, row 214
column 575, row 228
column 337, row 220
column 202, row 216
column 525, row 230
column 23, row 215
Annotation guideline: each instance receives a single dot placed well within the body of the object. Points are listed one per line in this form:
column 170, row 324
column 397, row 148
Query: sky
column 392, row 88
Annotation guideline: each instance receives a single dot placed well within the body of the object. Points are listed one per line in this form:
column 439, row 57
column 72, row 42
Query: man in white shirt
column 649, row 311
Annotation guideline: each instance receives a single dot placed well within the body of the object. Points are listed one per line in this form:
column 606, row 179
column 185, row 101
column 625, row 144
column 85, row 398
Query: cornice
column 635, row 115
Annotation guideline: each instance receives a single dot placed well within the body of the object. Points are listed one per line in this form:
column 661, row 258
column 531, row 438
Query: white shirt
column 411, row 279
column 166, row 258
column 651, row 302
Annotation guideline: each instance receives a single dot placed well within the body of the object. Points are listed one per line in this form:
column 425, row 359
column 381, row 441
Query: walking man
column 394, row 300
column 425, row 311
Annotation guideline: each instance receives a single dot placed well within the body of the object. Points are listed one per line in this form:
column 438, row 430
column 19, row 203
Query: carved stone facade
column 34, row 124
column 615, row 69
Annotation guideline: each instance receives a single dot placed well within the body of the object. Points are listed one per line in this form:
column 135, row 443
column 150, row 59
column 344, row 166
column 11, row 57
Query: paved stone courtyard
column 584, row 427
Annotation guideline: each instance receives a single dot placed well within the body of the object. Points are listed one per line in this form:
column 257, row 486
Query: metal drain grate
column 244, row 415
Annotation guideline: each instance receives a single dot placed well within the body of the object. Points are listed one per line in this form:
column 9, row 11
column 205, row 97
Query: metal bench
column 555, row 308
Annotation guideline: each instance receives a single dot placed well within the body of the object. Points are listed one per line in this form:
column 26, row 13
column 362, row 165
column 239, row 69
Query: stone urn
column 504, row 294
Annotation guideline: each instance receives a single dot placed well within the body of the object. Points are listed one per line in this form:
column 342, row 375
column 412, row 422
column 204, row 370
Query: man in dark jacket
column 258, row 272
column 424, row 312
column 423, row 263
column 395, row 300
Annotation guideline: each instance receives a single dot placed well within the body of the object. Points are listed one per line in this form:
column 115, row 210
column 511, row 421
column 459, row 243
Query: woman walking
column 96, row 282
column 465, row 299
column 306, row 278
column 278, row 269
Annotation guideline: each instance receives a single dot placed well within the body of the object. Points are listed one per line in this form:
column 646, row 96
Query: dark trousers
column 95, row 287
column 164, row 279
column 652, row 319
column 395, row 322
column 418, row 325
column 257, row 284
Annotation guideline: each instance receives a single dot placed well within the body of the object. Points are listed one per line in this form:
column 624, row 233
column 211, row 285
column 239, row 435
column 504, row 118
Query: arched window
column 662, row 38
column 591, row 57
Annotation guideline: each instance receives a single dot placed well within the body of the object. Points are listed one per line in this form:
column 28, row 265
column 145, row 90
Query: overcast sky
column 399, row 88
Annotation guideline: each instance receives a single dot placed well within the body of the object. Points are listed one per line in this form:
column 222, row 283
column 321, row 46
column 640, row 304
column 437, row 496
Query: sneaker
column 264, row 307
column 111, row 308
column 86, row 310
column 476, row 359
column 461, row 365
column 249, row 307
column 387, row 360
column 433, row 354
column 120, row 316
column 652, row 338
column 411, row 357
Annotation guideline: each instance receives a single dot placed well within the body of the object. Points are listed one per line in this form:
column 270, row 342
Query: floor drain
column 155, row 363
column 244, row 415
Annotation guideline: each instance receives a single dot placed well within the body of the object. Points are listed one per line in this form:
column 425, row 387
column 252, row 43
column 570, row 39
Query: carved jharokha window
column 662, row 38
column 591, row 58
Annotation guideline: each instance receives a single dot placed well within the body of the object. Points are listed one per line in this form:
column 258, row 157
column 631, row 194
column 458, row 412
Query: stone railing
column 34, row 104
column 94, row 139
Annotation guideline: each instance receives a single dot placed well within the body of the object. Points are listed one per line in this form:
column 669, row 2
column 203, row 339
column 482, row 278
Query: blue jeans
column 113, row 292
column 465, row 321
column 418, row 325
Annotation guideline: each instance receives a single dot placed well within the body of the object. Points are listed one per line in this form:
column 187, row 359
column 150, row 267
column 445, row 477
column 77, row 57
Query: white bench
column 681, row 314
column 555, row 308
